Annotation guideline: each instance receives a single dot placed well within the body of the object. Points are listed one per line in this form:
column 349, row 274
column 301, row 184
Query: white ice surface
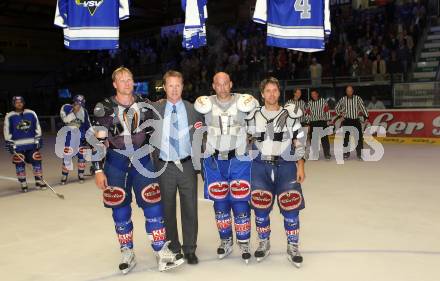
column 363, row 221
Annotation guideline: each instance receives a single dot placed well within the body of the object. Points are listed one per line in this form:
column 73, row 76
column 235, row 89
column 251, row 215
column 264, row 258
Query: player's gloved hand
column 10, row 146
column 38, row 143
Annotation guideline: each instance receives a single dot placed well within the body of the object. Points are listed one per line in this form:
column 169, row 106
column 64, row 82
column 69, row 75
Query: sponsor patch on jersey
column 263, row 230
column 125, row 238
column 224, row 224
column 218, row 190
column 198, row 125
column 151, row 193
column 17, row 158
column 240, row 189
column 37, row 156
column 68, row 150
column 243, row 227
column 294, row 232
column 290, row 200
column 113, row 195
column 82, row 150
column 159, row 235
column 261, row 199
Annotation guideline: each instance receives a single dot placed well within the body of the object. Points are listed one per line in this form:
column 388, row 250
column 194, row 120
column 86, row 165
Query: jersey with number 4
column 295, row 24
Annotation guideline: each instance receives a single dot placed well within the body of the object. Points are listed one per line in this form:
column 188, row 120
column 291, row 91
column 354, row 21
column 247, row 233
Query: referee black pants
column 324, row 140
column 357, row 124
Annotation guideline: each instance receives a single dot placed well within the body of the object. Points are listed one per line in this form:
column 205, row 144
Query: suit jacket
column 195, row 122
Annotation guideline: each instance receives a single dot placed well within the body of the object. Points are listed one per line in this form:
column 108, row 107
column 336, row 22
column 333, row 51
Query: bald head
column 222, row 85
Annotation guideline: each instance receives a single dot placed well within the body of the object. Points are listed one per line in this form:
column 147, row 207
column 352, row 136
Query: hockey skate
column 225, row 248
column 128, row 260
column 245, row 250
column 41, row 185
column 166, row 259
column 24, row 187
column 81, row 177
column 293, row 255
column 63, row 179
column 263, row 250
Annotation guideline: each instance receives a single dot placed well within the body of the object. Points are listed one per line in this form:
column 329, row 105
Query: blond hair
column 120, row 70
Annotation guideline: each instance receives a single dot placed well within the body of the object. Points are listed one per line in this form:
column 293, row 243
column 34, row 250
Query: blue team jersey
column 79, row 119
column 294, row 24
column 91, row 24
column 22, row 128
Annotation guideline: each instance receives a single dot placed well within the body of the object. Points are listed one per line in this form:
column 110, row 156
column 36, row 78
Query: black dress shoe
column 191, row 258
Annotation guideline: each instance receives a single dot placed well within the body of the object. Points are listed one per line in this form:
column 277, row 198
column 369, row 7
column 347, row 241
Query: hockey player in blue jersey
column 74, row 116
column 119, row 125
column 227, row 169
column 278, row 168
column 23, row 139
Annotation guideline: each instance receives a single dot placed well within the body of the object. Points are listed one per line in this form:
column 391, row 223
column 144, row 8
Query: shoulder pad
column 67, row 108
column 252, row 114
column 203, row 104
column 103, row 108
column 293, row 110
column 246, row 102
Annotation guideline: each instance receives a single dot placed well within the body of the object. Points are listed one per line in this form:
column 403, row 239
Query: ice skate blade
column 128, row 269
column 222, row 256
column 295, row 263
column 171, row 265
column 260, row 259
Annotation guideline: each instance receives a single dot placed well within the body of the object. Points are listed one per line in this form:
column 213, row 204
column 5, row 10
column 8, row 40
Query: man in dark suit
column 178, row 122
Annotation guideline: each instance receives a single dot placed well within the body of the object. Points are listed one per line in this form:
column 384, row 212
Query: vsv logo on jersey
column 24, row 125
column 91, row 5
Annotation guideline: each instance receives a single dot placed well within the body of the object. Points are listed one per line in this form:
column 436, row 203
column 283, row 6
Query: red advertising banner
column 408, row 123
column 414, row 123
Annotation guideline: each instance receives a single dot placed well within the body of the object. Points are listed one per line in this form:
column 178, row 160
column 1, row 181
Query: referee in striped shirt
column 318, row 115
column 349, row 108
column 301, row 104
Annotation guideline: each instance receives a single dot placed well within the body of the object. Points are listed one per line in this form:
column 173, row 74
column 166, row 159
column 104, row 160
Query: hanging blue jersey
column 22, row 128
column 294, row 24
column 91, row 24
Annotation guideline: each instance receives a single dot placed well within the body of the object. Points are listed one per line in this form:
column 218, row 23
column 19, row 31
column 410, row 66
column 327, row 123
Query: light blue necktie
column 174, row 135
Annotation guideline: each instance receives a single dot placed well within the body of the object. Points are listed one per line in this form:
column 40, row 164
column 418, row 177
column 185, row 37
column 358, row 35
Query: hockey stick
column 59, row 195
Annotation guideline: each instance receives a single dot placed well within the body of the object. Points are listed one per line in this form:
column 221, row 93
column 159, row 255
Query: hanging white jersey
column 194, row 31
column 91, row 24
column 295, row 24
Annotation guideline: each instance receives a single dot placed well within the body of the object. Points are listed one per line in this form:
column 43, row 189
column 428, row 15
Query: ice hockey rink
column 363, row 221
